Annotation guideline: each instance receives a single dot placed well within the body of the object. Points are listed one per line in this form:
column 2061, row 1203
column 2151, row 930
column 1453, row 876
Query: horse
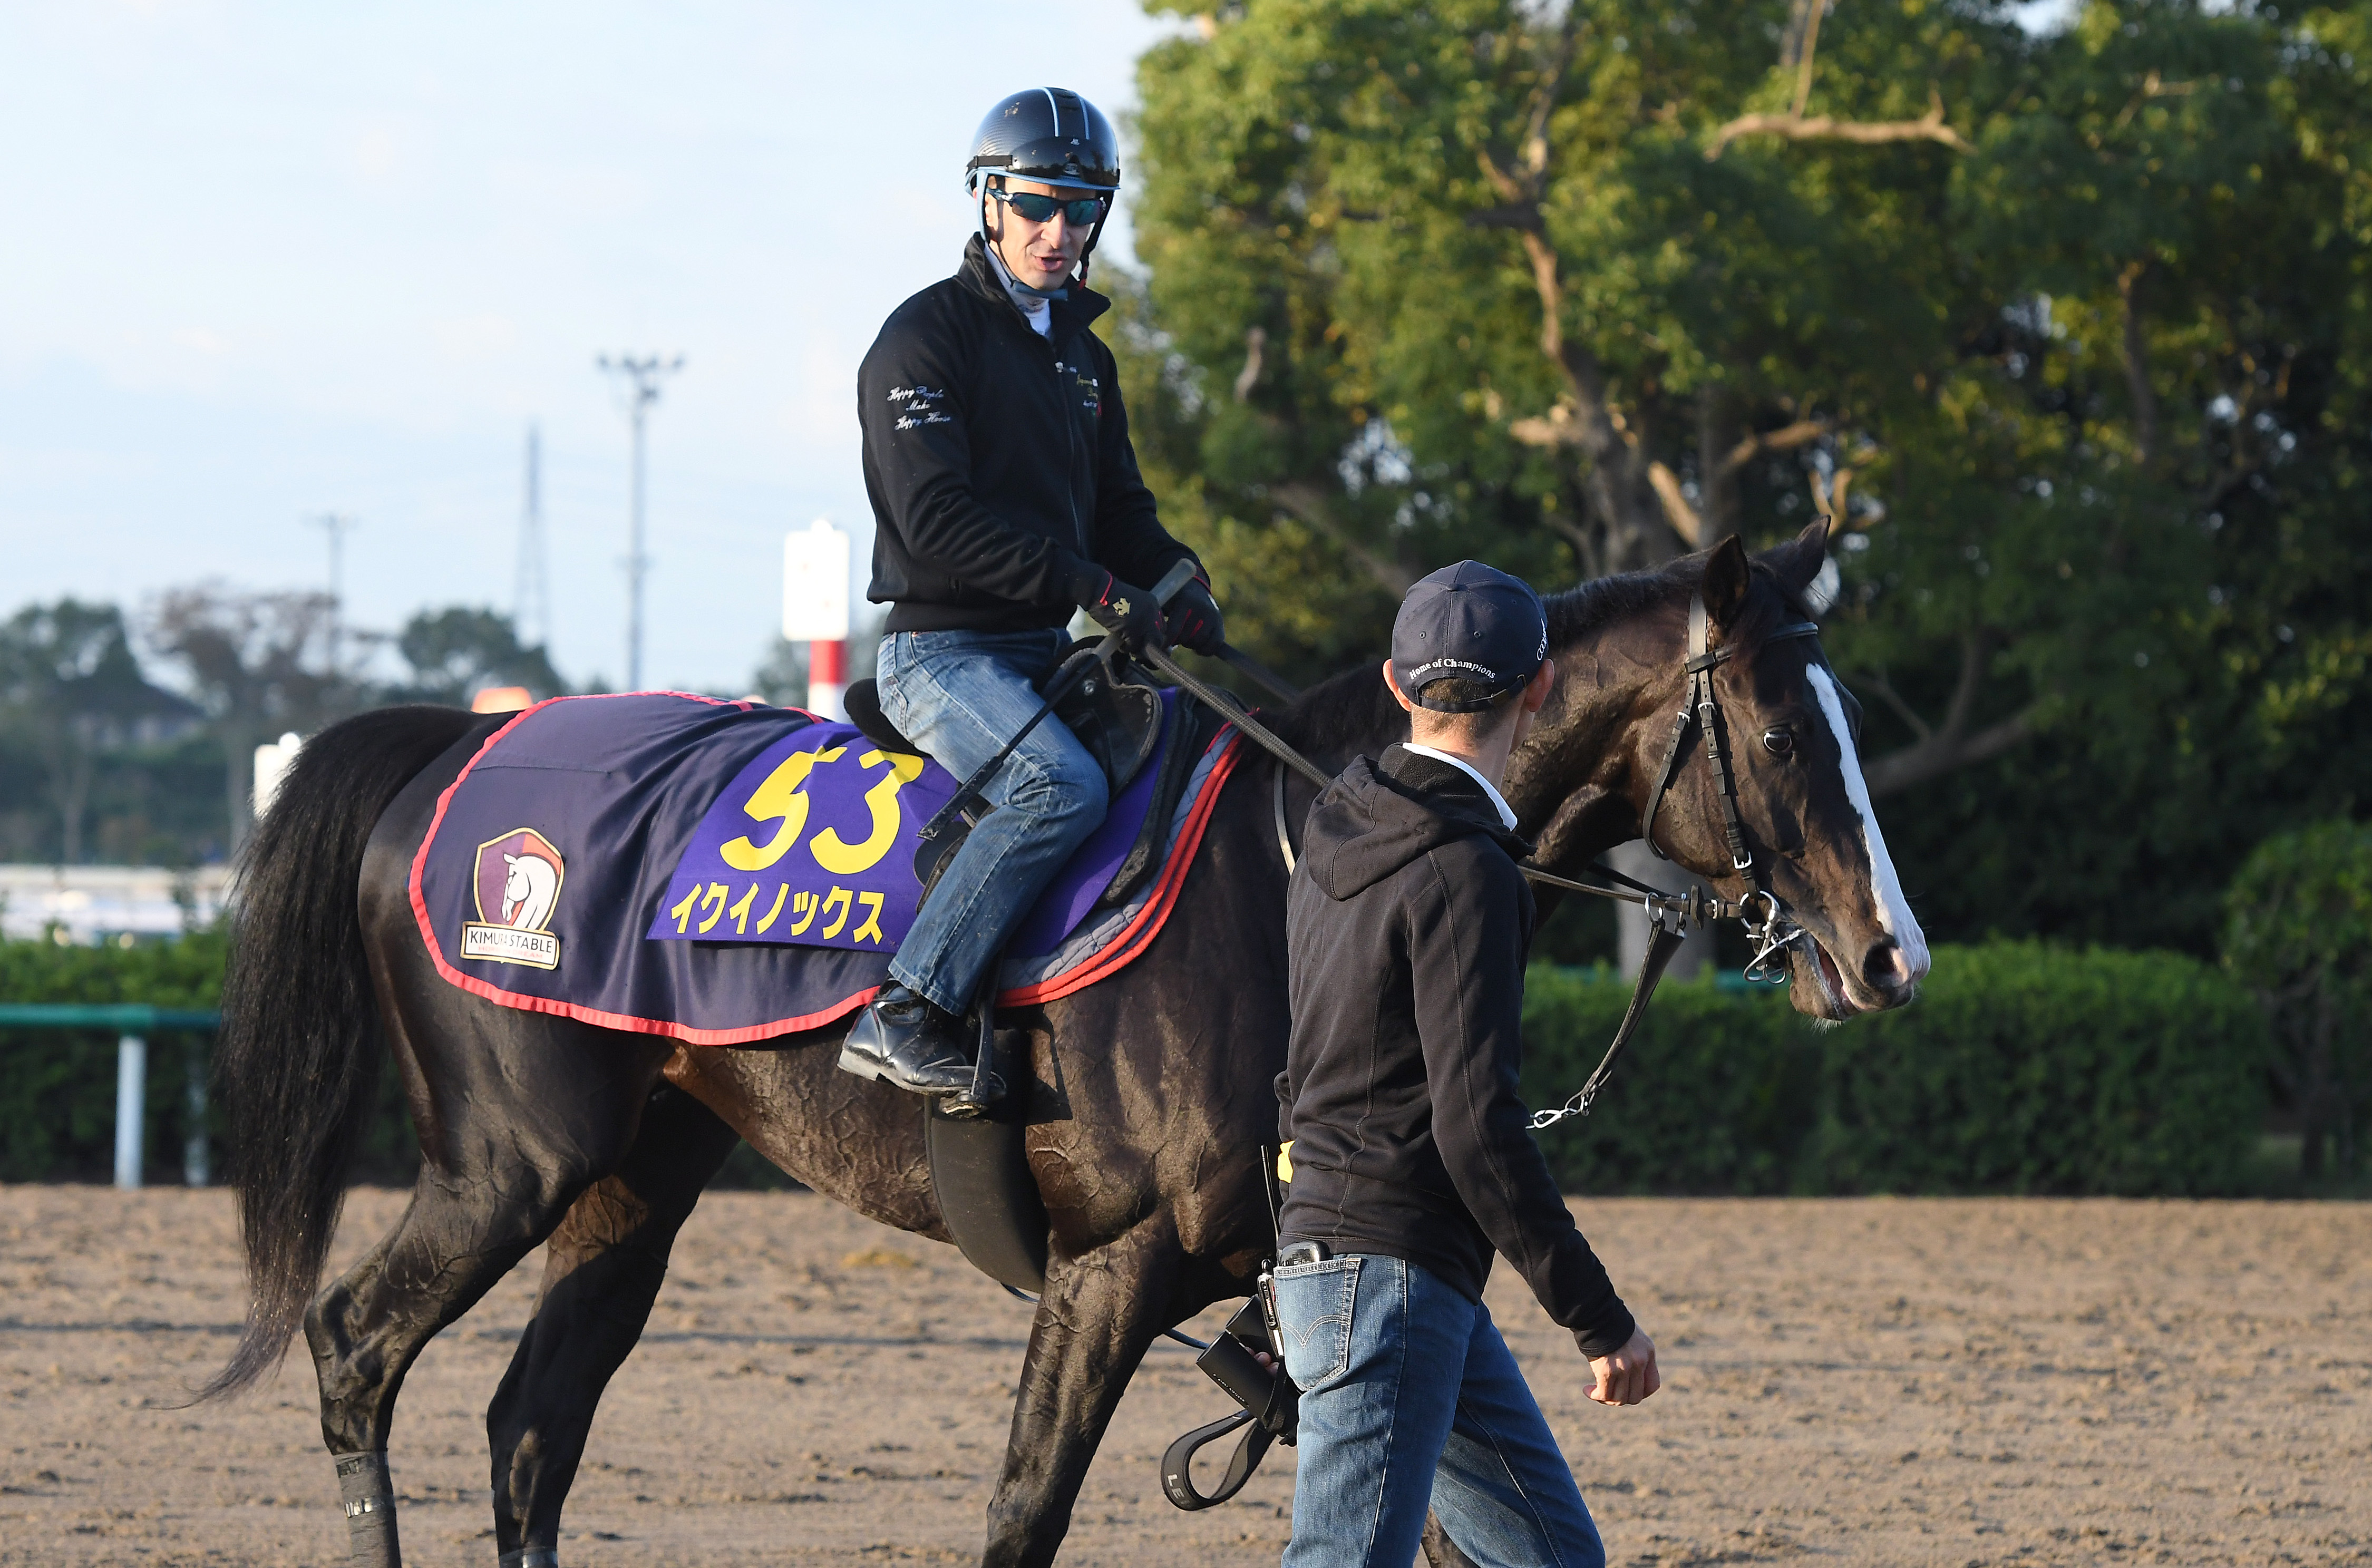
column 535, row 1129
column 530, row 886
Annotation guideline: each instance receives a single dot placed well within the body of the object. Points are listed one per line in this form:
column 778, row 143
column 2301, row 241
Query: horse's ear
column 1725, row 581
column 1797, row 562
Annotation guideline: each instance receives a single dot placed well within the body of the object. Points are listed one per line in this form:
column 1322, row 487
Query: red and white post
column 828, row 678
column 814, row 612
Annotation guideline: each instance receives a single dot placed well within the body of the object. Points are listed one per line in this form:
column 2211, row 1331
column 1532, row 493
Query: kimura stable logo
column 518, row 883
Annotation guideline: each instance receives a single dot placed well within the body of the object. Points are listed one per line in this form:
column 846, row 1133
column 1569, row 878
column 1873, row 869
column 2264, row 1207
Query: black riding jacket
column 997, row 462
column 1407, row 925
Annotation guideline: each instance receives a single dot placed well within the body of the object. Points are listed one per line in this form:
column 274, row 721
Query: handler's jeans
column 1409, row 1398
column 960, row 696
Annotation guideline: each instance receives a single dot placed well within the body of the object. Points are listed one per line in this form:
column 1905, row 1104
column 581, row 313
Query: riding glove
column 1192, row 619
column 1123, row 608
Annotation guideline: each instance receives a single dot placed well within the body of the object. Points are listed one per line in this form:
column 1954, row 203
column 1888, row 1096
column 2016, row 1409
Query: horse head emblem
column 530, row 885
column 518, row 887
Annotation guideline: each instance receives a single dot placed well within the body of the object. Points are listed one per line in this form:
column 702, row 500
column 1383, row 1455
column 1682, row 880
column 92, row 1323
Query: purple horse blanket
column 727, row 872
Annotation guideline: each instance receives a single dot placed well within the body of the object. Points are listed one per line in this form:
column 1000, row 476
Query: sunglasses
column 1081, row 212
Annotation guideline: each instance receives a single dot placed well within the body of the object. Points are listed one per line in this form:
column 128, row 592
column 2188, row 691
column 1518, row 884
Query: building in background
column 91, row 904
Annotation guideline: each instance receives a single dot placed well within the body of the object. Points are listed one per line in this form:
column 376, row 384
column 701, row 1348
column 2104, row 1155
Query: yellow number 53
column 782, row 798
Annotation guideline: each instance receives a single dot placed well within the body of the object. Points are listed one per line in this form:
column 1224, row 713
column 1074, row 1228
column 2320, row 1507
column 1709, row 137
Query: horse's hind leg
column 602, row 1270
column 520, row 1114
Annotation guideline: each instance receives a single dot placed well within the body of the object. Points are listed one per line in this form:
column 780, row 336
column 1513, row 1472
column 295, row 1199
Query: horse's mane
column 1590, row 607
column 1346, row 712
column 1340, row 716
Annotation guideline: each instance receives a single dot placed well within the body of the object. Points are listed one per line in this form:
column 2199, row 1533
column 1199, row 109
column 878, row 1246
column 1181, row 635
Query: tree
column 2065, row 334
column 70, row 686
column 243, row 655
column 781, row 679
column 456, row 652
column 2298, row 931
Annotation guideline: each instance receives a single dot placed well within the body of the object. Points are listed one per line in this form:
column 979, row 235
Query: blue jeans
column 960, row 696
column 1410, row 1399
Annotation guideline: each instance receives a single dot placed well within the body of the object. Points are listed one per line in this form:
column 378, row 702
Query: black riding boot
column 906, row 1041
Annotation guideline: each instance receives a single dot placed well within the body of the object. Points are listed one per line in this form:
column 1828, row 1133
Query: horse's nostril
column 1888, row 968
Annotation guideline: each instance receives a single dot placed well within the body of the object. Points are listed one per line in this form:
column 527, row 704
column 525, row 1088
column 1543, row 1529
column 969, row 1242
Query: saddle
column 1119, row 717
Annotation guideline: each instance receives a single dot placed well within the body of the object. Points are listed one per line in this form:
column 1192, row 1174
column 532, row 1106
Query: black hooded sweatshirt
column 1407, row 924
column 1003, row 483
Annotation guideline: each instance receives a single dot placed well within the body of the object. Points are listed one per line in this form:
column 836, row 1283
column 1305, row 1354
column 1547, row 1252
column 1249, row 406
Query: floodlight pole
column 337, row 525
column 642, row 376
column 532, row 597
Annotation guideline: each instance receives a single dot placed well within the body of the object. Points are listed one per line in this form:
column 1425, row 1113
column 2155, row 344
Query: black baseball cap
column 1467, row 622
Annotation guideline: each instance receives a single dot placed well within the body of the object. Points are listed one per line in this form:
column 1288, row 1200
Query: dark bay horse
column 536, row 1129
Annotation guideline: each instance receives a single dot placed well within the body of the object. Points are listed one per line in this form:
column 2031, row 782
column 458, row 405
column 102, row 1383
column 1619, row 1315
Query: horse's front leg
column 1100, row 1311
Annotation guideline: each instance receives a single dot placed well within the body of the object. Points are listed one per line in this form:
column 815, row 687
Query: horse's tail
column 297, row 1058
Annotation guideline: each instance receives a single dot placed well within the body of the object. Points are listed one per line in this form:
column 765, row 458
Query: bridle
column 1701, row 708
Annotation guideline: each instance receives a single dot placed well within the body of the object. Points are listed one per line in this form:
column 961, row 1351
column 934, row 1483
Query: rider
column 1005, row 495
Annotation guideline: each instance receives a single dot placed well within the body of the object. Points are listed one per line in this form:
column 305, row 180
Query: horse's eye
column 1779, row 742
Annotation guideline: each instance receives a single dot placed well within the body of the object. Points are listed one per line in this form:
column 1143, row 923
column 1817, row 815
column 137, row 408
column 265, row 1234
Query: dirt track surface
column 1846, row 1382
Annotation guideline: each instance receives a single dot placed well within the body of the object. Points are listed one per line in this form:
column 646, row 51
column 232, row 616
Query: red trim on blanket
column 1100, row 964
column 1124, row 948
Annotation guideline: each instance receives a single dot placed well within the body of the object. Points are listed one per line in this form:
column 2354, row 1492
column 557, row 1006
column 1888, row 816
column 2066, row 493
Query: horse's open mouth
column 1841, row 1001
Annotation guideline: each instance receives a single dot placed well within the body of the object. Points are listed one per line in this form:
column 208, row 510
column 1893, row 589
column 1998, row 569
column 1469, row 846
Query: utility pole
column 532, row 597
column 643, row 377
column 337, row 526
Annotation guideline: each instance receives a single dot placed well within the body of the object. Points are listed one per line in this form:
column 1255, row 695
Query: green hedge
column 57, row 1087
column 2021, row 1068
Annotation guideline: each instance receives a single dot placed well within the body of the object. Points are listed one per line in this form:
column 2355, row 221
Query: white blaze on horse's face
column 1893, row 910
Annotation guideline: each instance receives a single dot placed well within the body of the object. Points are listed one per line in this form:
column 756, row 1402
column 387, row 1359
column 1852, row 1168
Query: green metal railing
column 133, row 1022
column 130, row 1017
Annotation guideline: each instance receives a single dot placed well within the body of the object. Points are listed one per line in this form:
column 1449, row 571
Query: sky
column 260, row 263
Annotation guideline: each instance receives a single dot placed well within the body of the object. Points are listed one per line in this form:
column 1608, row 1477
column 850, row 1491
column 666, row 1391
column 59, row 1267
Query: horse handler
column 1407, row 924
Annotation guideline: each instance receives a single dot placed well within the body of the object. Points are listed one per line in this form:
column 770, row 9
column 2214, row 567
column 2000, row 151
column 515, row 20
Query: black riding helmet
column 1053, row 136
